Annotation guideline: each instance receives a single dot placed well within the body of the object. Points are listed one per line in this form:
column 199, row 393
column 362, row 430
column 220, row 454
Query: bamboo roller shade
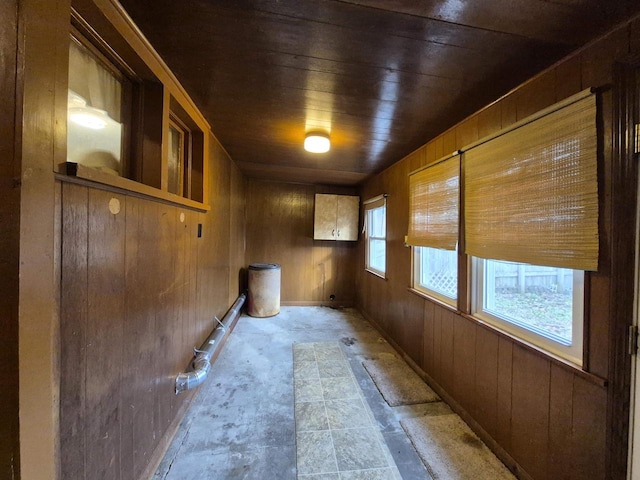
column 531, row 194
column 433, row 205
column 375, row 202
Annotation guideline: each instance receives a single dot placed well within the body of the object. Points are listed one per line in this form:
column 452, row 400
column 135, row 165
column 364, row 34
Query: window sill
column 377, row 274
column 75, row 173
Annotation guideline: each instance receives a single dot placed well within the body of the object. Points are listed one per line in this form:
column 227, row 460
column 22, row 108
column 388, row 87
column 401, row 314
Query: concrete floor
column 241, row 423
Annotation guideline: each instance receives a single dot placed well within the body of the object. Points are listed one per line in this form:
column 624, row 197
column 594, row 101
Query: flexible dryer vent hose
column 201, row 364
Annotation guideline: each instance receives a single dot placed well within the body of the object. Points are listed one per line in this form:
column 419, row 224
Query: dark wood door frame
column 622, row 250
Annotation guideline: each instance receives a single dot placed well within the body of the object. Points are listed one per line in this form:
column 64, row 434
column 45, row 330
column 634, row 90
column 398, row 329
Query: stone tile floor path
column 337, row 436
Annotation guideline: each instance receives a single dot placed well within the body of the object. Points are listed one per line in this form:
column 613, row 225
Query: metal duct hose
column 201, row 363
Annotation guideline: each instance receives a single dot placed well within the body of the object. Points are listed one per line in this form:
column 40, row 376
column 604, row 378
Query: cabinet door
column 324, row 219
column 348, row 213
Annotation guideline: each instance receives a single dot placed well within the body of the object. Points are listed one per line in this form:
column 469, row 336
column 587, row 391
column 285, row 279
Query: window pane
column 439, row 271
column 377, row 254
column 175, row 160
column 94, row 131
column 378, row 226
column 537, row 298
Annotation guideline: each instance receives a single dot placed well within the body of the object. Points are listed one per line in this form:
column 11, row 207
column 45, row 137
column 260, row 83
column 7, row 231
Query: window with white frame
column 531, row 225
column 376, row 235
column 435, row 272
column 543, row 305
column 433, row 229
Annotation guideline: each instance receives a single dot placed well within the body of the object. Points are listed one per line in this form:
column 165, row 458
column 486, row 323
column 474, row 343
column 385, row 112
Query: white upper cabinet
column 336, row 217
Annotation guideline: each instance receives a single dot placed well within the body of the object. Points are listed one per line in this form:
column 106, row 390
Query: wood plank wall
column 280, row 230
column 9, row 245
column 139, row 291
column 550, row 419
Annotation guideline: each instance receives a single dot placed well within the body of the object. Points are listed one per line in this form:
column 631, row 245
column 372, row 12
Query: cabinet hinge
column 636, row 138
column 632, row 347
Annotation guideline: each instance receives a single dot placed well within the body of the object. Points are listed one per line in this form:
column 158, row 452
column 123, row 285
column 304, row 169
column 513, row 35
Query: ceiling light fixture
column 317, row 142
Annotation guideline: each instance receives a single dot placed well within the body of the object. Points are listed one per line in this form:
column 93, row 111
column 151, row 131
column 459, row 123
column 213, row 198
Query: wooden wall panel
column 105, row 299
column 132, row 311
column 412, row 325
column 530, row 411
column 9, row 244
column 439, row 147
column 544, row 415
column 73, row 329
column 589, row 431
column 280, row 230
column 489, row 120
column 449, row 143
column 504, row 401
column 464, row 363
column 447, row 373
column 404, row 310
column 237, row 229
column 165, row 311
column 508, row 111
column 430, row 153
column 417, row 159
column 560, row 423
column 467, row 132
column 536, row 95
column 568, row 78
column 214, row 246
column 142, row 232
column 597, row 61
column 427, row 337
column 437, row 373
column 486, row 381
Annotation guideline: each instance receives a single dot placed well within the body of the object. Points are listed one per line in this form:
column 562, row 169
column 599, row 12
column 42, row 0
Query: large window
column 376, row 235
column 543, row 305
column 531, row 198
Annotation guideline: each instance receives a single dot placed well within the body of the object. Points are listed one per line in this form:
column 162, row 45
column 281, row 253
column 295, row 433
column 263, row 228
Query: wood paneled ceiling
column 382, row 76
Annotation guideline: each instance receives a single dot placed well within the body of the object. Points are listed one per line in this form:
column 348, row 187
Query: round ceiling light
column 317, row 142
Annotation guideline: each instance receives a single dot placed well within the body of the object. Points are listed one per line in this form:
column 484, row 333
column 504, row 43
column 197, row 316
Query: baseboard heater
column 201, row 363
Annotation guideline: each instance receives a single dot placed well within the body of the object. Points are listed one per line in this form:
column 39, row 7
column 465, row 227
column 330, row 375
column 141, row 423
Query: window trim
column 573, row 354
column 367, row 210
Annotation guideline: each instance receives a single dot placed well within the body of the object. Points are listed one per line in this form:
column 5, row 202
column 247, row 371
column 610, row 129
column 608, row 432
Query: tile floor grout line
column 326, row 413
